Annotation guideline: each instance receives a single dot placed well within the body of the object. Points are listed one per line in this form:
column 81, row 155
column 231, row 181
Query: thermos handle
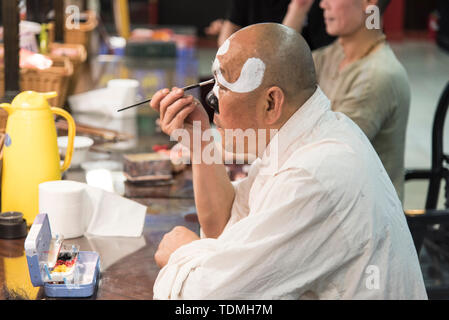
column 7, row 107
column 71, row 134
column 2, row 142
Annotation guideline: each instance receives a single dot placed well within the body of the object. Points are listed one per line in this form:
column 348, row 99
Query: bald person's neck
column 295, row 104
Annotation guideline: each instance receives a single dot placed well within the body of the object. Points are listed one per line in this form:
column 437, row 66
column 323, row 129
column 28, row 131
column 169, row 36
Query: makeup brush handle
column 193, row 86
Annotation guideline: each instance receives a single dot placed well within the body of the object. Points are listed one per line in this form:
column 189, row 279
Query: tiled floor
column 428, row 70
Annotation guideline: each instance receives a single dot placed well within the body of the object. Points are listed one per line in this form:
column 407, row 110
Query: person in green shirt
column 364, row 80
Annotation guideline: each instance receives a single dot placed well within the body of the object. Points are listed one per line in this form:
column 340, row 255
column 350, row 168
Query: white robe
column 324, row 222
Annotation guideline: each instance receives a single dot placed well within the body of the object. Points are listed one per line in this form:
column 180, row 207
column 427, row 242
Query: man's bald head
column 287, row 57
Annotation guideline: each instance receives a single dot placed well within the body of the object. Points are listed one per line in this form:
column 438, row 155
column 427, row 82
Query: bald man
column 316, row 218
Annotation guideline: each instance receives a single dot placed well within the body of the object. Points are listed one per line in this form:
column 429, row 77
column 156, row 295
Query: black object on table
column 12, row 225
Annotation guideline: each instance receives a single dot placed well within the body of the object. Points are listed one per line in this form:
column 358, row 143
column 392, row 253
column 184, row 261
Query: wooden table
column 128, row 269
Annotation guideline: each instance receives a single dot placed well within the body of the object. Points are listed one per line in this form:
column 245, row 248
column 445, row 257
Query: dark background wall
column 443, row 34
column 198, row 12
column 417, row 13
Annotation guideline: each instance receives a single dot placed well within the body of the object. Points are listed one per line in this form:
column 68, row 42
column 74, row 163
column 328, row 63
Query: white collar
column 297, row 127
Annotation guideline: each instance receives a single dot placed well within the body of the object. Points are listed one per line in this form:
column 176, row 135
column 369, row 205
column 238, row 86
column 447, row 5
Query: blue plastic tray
column 37, row 245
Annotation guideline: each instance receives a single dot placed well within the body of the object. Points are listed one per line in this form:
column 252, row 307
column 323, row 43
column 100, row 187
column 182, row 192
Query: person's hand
column 296, row 14
column 303, row 5
column 171, row 241
column 214, row 28
column 178, row 111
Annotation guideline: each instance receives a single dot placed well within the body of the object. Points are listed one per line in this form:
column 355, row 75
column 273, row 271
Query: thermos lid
column 12, row 225
column 32, row 100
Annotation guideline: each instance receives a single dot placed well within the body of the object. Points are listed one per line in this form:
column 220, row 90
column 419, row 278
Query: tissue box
column 42, row 253
column 147, row 166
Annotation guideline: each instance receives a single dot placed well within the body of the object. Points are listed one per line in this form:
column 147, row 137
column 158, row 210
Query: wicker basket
column 2, row 143
column 3, row 119
column 56, row 78
column 77, row 55
column 77, row 36
column 82, row 35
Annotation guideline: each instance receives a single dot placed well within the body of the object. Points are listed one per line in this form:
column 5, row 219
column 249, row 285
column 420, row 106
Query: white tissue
column 119, row 93
column 77, row 209
column 100, row 178
column 105, row 101
column 64, row 204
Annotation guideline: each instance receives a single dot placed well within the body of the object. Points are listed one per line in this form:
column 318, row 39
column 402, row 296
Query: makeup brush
column 193, row 86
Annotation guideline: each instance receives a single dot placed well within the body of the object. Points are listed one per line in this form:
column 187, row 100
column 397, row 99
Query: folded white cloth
column 104, row 101
column 76, row 208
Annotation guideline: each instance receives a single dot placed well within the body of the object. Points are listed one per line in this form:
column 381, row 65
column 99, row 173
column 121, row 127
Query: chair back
column 438, row 170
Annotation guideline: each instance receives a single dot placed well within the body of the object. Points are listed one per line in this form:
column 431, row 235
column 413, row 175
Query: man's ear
column 275, row 99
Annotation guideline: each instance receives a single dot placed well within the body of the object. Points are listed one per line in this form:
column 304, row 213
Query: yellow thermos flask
column 30, row 151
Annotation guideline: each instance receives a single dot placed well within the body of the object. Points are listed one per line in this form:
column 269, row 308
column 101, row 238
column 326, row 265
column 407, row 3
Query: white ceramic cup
column 81, row 147
column 63, row 202
column 130, row 88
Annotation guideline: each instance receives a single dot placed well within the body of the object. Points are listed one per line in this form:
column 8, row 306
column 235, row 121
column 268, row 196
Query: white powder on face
column 215, row 69
column 250, row 78
column 251, row 75
column 216, row 90
column 224, row 48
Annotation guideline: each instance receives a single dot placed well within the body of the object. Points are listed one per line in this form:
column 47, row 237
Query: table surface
column 128, row 269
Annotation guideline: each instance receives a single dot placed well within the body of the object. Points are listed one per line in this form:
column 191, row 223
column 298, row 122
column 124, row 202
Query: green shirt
column 375, row 93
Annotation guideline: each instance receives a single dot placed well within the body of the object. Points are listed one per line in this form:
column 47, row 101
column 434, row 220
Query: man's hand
column 178, row 111
column 214, row 27
column 297, row 13
column 300, row 6
column 214, row 193
column 171, row 241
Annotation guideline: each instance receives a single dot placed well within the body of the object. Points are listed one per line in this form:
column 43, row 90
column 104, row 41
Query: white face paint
column 250, row 78
column 251, row 75
column 216, row 90
column 215, row 67
column 224, row 48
